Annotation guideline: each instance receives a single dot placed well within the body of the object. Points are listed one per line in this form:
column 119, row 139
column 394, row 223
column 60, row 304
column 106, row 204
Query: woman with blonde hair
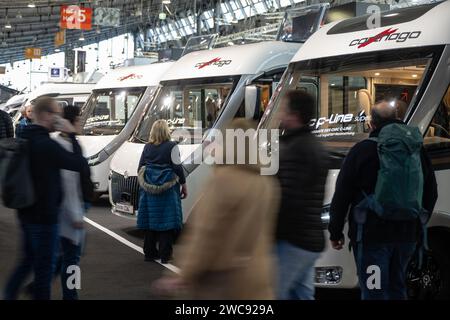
column 163, row 185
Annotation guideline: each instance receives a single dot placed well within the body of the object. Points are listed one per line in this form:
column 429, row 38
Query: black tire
column 432, row 281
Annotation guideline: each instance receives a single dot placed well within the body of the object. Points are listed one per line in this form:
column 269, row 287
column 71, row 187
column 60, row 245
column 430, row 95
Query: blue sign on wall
column 55, row 72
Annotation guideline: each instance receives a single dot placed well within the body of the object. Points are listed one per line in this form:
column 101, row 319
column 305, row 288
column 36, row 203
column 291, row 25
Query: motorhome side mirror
column 251, row 102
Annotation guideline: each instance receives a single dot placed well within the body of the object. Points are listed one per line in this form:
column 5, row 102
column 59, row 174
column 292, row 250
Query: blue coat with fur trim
column 159, row 198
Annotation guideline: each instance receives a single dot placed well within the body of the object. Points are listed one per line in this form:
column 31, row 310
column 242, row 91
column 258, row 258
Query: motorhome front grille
column 124, row 189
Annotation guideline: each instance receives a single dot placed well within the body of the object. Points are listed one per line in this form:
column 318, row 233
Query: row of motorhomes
column 345, row 65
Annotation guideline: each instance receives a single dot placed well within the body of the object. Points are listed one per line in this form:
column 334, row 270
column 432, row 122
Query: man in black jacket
column 303, row 169
column 39, row 223
column 386, row 244
column 6, row 125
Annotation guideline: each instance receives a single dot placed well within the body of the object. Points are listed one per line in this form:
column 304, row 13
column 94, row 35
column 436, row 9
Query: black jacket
column 162, row 154
column 6, row 125
column 303, row 169
column 47, row 158
column 359, row 172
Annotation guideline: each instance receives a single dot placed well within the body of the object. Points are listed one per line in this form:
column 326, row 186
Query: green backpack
column 399, row 187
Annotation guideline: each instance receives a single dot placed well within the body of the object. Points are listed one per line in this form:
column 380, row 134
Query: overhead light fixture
column 8, row 25
column 31, row 4
column 165, row 1
column 377, row 74
column 414, row 75
column 81, row 38
column 19, row 15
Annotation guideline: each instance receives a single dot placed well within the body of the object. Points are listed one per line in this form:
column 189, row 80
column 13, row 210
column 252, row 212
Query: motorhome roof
column 418, row 26
column 232, row 60
column 18, row 98
column 61, row 88
column 134, row 76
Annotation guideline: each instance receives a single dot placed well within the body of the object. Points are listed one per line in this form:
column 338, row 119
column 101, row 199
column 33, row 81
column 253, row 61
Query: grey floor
column 109, row 269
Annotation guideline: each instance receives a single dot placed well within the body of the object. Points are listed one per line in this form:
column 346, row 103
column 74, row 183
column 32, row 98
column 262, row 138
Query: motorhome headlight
column 326, row 214
column 328, row 275
column 97, row 158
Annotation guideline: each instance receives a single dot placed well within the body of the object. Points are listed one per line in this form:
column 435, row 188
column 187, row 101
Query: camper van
column 13, row 104
column 205, row 90
column 112, row 112
column 202, row 90
column 66, row 93
column 405, row 60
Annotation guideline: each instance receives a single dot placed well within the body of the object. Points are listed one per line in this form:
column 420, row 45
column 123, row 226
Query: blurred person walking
column 375, row 238
column 26, row 120
column 6, row 125
column 225, row 249
column 77, row 193
column 162, row 186
column 302, row 174
column 39, row 222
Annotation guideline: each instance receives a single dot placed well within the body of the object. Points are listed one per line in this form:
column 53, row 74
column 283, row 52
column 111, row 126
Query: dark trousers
column 70, row 256
column 385, row 264
column 39, row 255
column 165, row 241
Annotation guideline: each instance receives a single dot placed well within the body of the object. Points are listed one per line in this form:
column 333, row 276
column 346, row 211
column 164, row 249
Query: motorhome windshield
column 108, row 110
column 187, row 105
column 348, row 86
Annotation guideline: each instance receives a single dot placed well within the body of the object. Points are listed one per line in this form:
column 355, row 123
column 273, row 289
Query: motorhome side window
column 109, row 110
column 438, row 133
column 188, row 108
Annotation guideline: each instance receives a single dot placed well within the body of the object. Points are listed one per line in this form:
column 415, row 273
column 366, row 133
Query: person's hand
column 78, row 225
column 338, row 245
column 64, row 125
column 184, row 192
column 168, row 285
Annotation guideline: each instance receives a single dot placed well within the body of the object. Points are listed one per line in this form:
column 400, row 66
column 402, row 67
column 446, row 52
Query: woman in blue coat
column 162, row 186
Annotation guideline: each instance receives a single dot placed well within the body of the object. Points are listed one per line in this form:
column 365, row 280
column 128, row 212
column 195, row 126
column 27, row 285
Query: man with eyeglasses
column 39, row 223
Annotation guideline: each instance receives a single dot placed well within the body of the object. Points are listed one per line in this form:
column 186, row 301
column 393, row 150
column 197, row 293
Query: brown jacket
column 226, row 249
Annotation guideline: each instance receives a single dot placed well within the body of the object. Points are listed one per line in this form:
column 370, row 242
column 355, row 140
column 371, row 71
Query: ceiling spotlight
column 8, row 25
column 165, row 1
column 31, row 4
column 81, row 38
column 414, row 75
column 377, row 74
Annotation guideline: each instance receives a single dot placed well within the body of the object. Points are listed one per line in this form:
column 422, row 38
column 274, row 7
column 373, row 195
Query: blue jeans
column 39, row 254
column 392, row 260
column 295, row 272
column 70, row 256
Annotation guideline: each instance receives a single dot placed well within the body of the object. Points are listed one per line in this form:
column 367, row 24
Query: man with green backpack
column 389, row 185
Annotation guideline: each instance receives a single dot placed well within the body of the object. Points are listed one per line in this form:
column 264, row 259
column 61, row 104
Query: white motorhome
column 11, row 106
column 205, row 90
column 112, row 112
column 207, row 86
column 406, row 59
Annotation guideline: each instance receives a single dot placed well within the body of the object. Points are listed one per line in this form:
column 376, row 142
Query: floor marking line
column 128, row 243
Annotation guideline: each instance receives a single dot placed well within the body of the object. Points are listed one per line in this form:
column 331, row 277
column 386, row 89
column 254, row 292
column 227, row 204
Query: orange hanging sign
column 33, row 53
column 76, row 17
